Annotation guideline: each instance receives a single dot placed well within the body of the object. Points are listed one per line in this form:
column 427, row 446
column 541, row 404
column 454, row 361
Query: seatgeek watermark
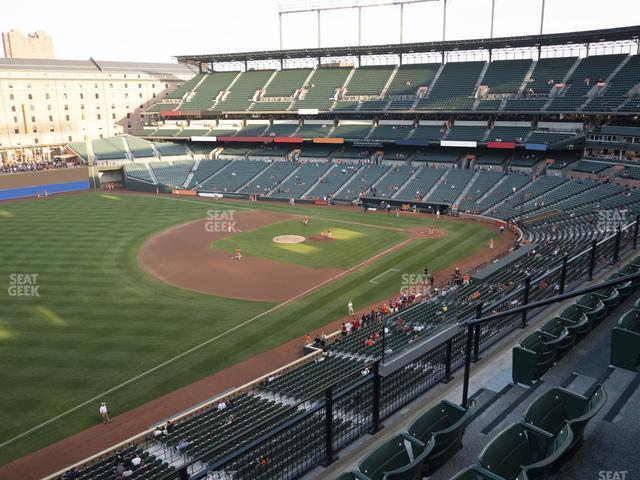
column 221, row 221
column 610, row 220
column 23, row 285
column 613, row 474
column 414, row 284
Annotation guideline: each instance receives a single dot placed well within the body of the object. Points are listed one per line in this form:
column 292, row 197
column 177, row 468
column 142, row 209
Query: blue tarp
column 535, row 146
column 41, row 189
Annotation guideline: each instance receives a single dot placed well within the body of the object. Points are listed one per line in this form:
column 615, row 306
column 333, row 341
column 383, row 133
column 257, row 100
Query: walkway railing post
column 375, row 404
column 592, row 260
column 384, row 337
column 563, row 274
column 635, row 232
column 328, row 437
column 476, row 343
column 447, row 362
column 467, row 358
column 616, row 251
column 525, row 300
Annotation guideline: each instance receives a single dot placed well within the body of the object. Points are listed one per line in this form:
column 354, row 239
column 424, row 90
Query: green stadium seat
column 625, row 341
column 592, row 305
column 439, row 431
column 532, row 357
column 557, row 407
column 576, row 322
column 556, row 333
column 473, row 473
column 523, row 451
column 396, row 459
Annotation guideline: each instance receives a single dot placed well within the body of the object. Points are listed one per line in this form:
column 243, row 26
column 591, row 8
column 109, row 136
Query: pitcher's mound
column 289, row 239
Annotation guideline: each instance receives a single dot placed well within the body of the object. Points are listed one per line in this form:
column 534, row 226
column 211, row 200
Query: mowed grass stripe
column 119, row 322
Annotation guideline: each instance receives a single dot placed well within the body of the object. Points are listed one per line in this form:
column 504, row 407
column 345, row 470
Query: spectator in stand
column 182, row 445
column 72, row 474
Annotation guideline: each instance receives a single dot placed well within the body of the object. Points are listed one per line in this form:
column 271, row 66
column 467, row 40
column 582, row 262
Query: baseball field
column 123, row 298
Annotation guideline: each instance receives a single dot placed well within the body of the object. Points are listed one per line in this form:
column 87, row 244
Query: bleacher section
column 333, row 180
column 270, row 178
column 324, row 83
column 234, row 176
column 282, row 88
column 351, row 131
column 432, row 133
column 547, row 73
column 242, row 92
column 478, row 187
column 391, row 132
column 586, row 166
column 390, row 183
column 420, row 183
column 454, row 88
column 204, row 96
column 205, row 170
column 590, row 71
column 139, row 148
column 172, row 174
column 286, row 82
column 451, row 186
column 467, row 133
column 302, row 180
column 312, row 130
column 617, row 90
column 281, row 130
column 508, row 134
column 360, row 183
column 512, row 183
column 549, row 136
column 505, row 76
column 186, row 87
column 109, row 149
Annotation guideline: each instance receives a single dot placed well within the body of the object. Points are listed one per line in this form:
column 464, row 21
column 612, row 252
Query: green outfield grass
column 99, row 320
column 351, row 244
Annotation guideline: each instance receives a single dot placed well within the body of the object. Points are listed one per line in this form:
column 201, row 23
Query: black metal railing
column 313, row 430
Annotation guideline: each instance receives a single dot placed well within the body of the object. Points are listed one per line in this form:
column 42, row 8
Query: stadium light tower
column 319, row 6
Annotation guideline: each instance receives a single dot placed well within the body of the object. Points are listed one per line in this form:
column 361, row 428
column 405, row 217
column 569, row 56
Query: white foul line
column 206, row 342
column 383, row 273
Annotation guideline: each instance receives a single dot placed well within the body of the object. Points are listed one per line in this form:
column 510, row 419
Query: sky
column 154, row 31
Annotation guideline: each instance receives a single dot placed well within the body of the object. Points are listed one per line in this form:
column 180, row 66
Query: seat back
column 507, row 452
column 547, row 412
column 390, row 456
column 553, row 326
column 439, row 417
column 553, row 448
column 572, row 312
column 630, row 321
column 412, row 471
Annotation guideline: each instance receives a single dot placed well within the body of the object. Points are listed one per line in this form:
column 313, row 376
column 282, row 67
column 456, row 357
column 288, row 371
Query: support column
column 359, row 26
column 319, row 31
column 493, row 9
column 401, row 21
column 444, row 22
column 280, row 29
column 542, row 18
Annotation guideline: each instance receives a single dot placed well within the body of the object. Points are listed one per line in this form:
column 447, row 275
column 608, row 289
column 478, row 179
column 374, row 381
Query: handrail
column 555, row 299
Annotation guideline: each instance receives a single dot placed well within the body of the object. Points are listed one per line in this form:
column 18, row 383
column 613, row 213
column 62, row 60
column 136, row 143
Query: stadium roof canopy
column 550, row 39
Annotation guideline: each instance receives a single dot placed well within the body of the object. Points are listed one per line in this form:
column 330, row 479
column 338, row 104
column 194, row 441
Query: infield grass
column 350, row 244
column 99, row 320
